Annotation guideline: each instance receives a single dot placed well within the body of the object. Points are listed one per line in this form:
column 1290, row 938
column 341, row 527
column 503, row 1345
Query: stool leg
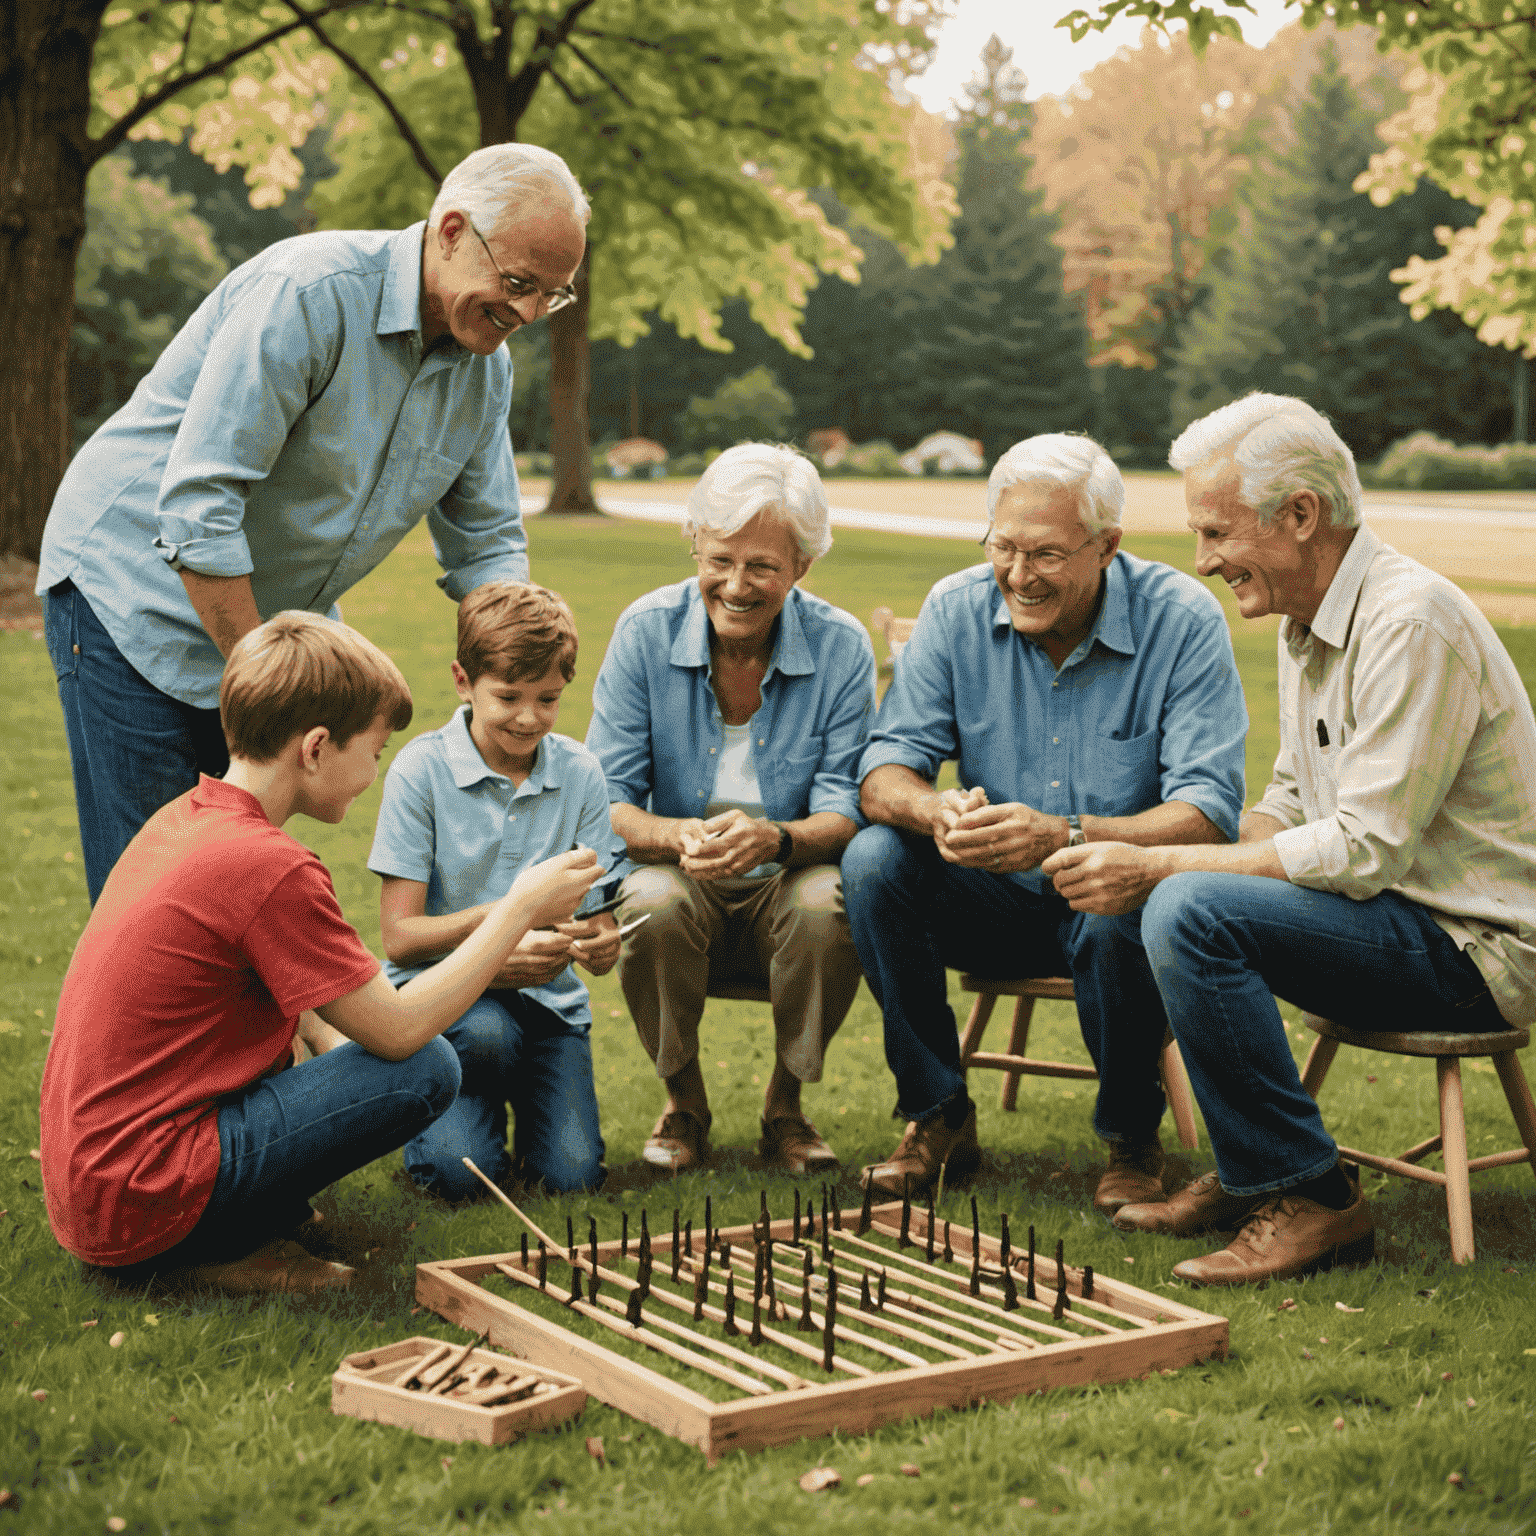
column 1453, row 1134
column 1319, row 1059
column 976, row 1025
column 1176, row 1091
column 1518, row 1091
column 1018, row 1043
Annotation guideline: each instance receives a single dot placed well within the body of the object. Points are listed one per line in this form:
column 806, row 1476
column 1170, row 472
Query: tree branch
column 402, row 125
column 570, row 95
column 601, row 74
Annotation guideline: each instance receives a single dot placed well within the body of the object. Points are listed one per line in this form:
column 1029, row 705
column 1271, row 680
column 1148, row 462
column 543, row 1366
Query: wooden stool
column 1015, row 1063
column 1447, row 1051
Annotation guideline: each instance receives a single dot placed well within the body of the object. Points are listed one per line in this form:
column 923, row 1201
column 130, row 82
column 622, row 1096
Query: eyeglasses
column 520, row 288
column 1046, row 561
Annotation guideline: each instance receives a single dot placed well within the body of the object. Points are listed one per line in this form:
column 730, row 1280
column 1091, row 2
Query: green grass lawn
column 213, row 1415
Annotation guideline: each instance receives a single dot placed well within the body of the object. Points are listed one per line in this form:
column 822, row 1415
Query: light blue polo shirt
column 1148, row 708
column 293, row 432
column 466, row 831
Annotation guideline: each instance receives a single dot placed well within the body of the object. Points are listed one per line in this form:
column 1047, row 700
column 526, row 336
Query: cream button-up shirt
column 1408, row 761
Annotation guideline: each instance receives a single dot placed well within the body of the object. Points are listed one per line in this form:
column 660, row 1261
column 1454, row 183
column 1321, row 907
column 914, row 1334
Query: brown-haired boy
column 172, row 1136
column 464, row 808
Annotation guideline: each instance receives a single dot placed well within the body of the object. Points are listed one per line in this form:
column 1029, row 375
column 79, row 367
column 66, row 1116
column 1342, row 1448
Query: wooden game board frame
column 1167, row 1335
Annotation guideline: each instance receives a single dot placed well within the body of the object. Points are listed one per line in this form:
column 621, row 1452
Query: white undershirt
column 736, row 784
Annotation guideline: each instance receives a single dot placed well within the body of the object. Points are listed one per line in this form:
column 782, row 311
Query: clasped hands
column 726, row 845
column 542, row 953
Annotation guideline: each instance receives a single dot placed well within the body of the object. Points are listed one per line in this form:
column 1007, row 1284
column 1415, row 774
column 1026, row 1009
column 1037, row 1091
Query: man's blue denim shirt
column 656, row 726
column 292, row 431
column 1147, row 709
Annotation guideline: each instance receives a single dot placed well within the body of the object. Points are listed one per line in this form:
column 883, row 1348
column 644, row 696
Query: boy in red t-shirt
column 173, row 1138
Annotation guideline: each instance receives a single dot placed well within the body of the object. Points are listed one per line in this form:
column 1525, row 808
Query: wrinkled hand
column 727, row 845
column 540, row 956
column 1001, row 839
column 594, row 942
column 554, row 887
column 951, row 806
column 1108, row 878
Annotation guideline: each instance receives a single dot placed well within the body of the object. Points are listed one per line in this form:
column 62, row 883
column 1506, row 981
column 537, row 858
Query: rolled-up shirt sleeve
column 1415, row 709
column 916, row 724
column 477, row 528
column 620, row 732
column 850, row 712
column 1282, row 800
column 273, row 354
column 1204, row 727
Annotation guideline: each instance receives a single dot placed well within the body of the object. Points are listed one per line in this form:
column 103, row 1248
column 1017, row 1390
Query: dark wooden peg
column 866, row 1301
column 906, row 1211
column 700, row 1291
column 677, row 1241
column 1029, row 1277
column 730, row 1306
column 1088, row 1282
column 932, row 1223
column 524, row 1247
column 1010, row 1292
column 794, row 1228
column 805, row 1325
column 829, row 1328
column 866, row 1218
column 880, row 1293
column 1062, row 1303
column 543, row 1264
column 632, row 1308
column 949, row 1252
column 624, row 1235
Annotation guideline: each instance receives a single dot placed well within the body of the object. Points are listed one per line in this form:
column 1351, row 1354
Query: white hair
column 762, row 477
column 492, row 185
column 1072, row 462
column 1280, row 445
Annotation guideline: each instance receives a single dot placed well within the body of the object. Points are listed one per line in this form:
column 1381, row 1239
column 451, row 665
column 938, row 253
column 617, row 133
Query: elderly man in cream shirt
column 1387, row 878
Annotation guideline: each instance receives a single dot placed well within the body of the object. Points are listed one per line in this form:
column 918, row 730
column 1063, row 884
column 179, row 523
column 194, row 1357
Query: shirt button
column 701, row 794
column 1056, row 741
column 711, row 751
column 1055, row 783
column 75, row 649
column 762, row 741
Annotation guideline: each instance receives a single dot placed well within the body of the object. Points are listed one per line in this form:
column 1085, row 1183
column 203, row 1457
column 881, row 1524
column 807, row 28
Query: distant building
column 948, row 452
column 637, row 456
column 829, row 444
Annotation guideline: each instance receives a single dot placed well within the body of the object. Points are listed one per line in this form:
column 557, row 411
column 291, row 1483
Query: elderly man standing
column 1087, row 695
column 1388, row 873
column 325, row 397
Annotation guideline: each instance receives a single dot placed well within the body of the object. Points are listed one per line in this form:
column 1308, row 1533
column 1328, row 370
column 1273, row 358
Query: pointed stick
column 524, row 1248
column 624, row 1235
column 730, row 1304
column 805, row 1325
column 688, row 1238
column 865, row 1216
column 700, row 1291
column 880, row 1294
column 543, row 1264
column 837, row 1215
column 794, row 1228
column 632, row 1306
column 437, row 1379
column 906, row 1211
column 768, row 1290
column 810, row 1219
column 975, row 1230
column 975, row 1284
column 1062, row 1304
column 1010, row 1291
column 762, row 1209
column 1029, row 1279
column 829, row 1330
column 932, row 1223
column 1004, row 1243
column 866, row 1301
column 1088, row 1282
column 756, row 1336
column 709, row 1226
column 949, row 1252
column 826, row 1227
column 575, row 1277
column 677, row 1242
column 592, row 1239
column 645, row 1237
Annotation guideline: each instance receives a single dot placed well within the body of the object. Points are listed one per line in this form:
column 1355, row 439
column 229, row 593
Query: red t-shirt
column 214, row 931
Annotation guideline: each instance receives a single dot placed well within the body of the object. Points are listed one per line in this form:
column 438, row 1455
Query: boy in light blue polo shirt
column 465, row 808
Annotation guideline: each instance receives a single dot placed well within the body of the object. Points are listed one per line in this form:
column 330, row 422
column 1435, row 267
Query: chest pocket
column 784, row 778
column 1120, row 778
column 433, row 478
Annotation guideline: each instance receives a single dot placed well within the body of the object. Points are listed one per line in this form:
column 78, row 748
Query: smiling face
column 462, row 292
column 1058, row 610
column 1265, row 565
column 336, row 776
column 508, row 719
column 745, row 577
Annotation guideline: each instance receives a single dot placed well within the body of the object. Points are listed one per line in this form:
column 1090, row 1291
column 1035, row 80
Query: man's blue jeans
column 913, row 914
column 132, row 748
column 1222, row 947
column 285, row 1137
column 512, row 1049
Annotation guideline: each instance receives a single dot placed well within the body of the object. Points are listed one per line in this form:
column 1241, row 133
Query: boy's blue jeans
column 913, row 914
column 1222, row 947
column 286, row 1137
column 132, row 748
column 513, row 1050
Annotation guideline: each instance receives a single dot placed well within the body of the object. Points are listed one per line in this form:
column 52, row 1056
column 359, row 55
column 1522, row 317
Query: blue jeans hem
column 1279, row 1185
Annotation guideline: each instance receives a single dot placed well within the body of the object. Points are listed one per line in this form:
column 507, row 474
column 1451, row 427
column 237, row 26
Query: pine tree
column 1305, row 305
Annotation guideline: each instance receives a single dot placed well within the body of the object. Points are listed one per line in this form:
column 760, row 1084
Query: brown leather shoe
column 1134, row 1176
column 1203, row 1206
column 927, row 1146
column 680, row 1141
column 1287, row 1236
column 791, row 1144
column 279, row 1266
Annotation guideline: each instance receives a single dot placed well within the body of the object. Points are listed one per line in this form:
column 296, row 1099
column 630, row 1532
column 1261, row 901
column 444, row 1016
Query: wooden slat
column 1058, row 988
column 1031, row 1066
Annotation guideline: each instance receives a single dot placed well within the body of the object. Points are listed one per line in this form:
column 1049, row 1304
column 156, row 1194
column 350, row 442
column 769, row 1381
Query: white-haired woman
column 324, row 398
column 729, row 715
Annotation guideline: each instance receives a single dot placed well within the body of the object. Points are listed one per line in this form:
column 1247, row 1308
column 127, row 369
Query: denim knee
column 438, row 1074
column 485, row 1037
column 1172, row 908
column 876, row 856
column 573, row 1161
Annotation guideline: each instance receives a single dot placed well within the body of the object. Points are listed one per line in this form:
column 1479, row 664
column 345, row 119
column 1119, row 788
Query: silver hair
column 762, row 477
column 1067, row 460
column 1280, row 445
column 492, row 185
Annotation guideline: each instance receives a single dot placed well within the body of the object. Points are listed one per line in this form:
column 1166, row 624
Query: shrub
column 1424, row 462
column 754, row 406
column 877, row 460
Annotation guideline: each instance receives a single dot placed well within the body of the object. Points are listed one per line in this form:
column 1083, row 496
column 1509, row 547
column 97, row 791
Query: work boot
column 1287, row 1236
column 1134, row 1176
column 1203, row 1206
column 927, row 1146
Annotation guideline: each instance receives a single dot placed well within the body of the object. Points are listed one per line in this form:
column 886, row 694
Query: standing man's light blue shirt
column 466, row 831
column 293, row 431
column 657, row 728
column 1148, row 708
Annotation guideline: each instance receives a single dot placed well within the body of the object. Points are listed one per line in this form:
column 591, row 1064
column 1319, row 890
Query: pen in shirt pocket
column 1322, row 735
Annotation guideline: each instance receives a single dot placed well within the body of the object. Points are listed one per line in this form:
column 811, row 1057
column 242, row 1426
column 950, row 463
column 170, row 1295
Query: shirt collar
column 791, row 650
column 1336, row 612
column 229, row 797
column 1112, row 626
column 469, row 768
column 400, row 303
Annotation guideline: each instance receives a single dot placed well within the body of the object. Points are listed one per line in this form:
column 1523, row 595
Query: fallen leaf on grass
column 1321, row 1339
column 40, row 1396
column 152, row 1318
column 864, row 1479
column 1307, row 1354
column 1288, row 1305
column 35, row 1155
column 1294, row 1429
column 1258, row 1471
column 118, row 1339
column 1029, row 1503
column 820, row 1478
column 1171, row 1414
column 595, row 1450
column 1342, row 1308
column 1456, row 1480
column 1369, row 1078
column 1529, row 1351
column 1338, row 1423
column 117, row 1523
column 911, row 1468
column 1471, row 1402
column 1447, row 1376
column 9, row 1500
column 1127, row 1260
column 90, row 1322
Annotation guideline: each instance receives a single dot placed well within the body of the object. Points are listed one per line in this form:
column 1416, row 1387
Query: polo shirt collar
column 1336, row 612
column 1112, row 627
column 791, row 650
column 400, row 301
column 469, row 768
column 211, row 792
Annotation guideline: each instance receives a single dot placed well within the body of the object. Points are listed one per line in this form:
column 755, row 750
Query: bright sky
column 1049, row 57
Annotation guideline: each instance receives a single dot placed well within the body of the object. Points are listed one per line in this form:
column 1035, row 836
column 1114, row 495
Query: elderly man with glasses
column 324, row 398
column 1087, row 695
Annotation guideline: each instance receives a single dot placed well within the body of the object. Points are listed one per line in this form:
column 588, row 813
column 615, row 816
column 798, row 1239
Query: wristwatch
column 786, row 844
column 1076, row 837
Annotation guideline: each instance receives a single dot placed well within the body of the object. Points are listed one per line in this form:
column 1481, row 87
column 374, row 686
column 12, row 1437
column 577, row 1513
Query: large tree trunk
column 570, row 382
column 45, row 155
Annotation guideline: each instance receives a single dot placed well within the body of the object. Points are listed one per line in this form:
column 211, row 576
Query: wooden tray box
column 361, row 1388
